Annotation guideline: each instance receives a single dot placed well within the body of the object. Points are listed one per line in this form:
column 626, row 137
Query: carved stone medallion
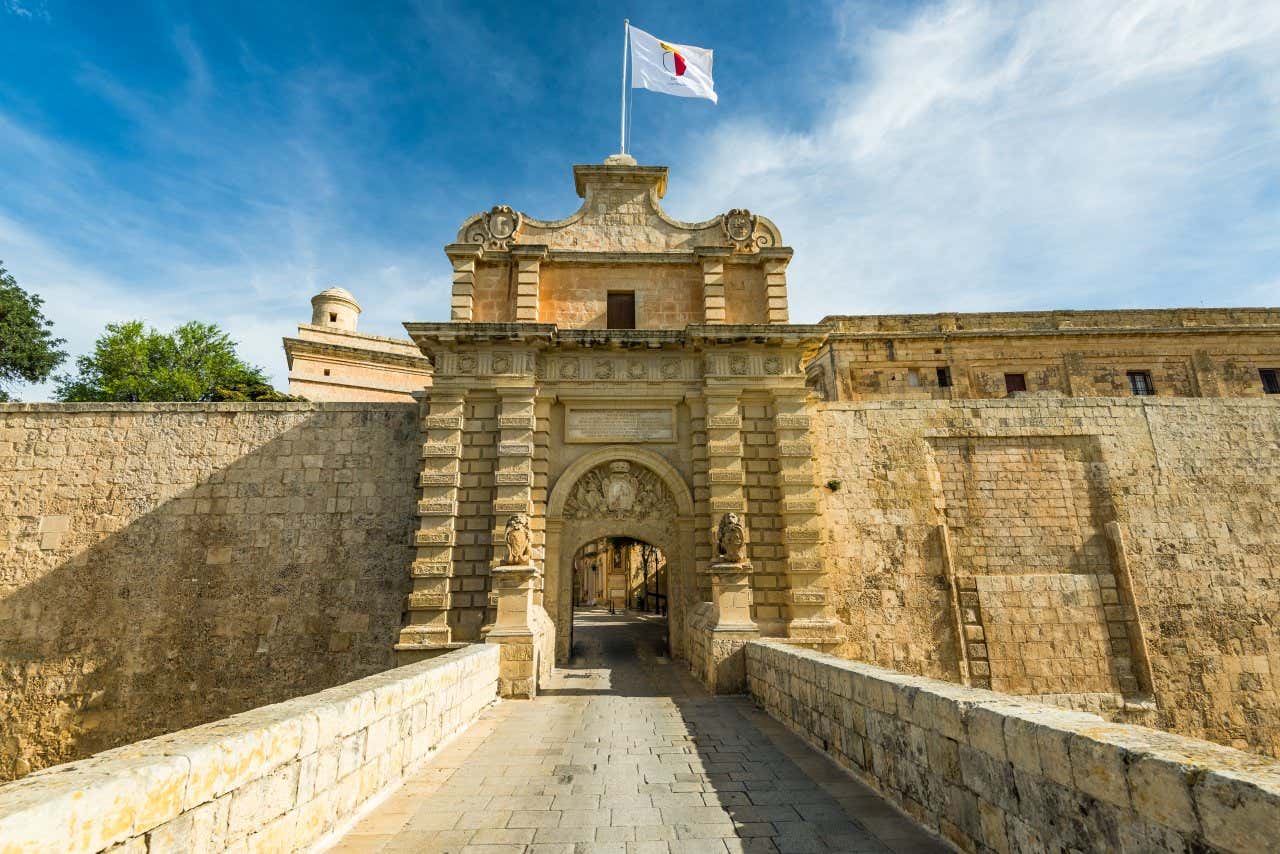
column 740, row 226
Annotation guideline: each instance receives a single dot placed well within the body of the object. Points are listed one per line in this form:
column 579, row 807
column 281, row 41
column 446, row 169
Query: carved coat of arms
column 518, row 540
column 620, row 492
column 740, row 226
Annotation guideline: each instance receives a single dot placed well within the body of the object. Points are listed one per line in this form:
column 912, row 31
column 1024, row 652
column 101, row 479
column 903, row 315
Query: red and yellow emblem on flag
column 672, row 60
column 675, row 69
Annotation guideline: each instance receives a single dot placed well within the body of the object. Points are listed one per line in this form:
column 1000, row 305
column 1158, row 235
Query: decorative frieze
column 441, row 449
column 515, row 449
column 442, row 422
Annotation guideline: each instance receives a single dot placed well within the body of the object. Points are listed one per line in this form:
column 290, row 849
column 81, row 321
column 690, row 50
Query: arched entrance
column 620, row 573
column 619, row 492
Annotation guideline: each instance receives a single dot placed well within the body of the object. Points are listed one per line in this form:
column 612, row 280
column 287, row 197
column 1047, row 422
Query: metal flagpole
column 626, row 44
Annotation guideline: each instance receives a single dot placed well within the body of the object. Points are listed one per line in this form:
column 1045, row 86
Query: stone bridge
column 623, row 750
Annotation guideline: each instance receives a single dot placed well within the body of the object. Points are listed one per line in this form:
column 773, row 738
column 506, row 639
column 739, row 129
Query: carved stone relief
column 495, row 229
column 620, row 490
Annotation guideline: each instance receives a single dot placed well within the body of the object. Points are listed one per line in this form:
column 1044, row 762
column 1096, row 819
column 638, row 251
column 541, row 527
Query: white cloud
column 1025, row 155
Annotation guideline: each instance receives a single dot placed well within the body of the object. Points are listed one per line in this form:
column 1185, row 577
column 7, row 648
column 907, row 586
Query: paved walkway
column 625, row 752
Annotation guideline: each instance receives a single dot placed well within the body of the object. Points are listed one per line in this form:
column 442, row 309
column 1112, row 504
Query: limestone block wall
column 668, row 296
column 277, row 778
column 992, row 773
column 1118, row 555
column 162, row 565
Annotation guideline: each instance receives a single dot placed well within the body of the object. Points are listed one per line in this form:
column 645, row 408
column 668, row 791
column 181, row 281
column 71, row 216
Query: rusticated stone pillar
column 464, row 257
column 427, row 631
column 808, row 620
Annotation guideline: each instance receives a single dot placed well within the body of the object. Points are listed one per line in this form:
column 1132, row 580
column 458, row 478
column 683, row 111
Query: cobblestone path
column 625, row 752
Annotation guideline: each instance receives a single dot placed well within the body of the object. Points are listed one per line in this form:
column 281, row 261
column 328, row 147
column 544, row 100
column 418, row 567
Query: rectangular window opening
column 621, row 310
column 1140, row 383
column 333, row 317
column 1014, row 383
column 1270, row 380
column 326, row 372
column 913, row 378
column 944, row 378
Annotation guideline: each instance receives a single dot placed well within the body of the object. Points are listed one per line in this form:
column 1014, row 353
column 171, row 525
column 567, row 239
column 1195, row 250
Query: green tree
column 133, row 363
column 28, row 350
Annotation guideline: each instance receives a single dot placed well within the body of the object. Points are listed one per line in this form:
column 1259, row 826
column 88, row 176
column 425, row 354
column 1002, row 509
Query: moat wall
column 163, row 565
column 1095, row 552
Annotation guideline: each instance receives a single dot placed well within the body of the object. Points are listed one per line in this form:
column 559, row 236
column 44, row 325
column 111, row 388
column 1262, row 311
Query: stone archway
column 626, row 492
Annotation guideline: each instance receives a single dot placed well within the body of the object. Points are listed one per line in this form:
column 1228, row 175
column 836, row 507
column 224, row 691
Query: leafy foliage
column 28, row 350
column 197, row 361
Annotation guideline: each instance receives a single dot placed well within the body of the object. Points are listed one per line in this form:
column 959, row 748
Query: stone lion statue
column 731, row 539
column 519, row 541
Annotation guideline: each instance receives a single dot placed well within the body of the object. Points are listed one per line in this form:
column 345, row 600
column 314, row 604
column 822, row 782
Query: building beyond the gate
column 1074, row 505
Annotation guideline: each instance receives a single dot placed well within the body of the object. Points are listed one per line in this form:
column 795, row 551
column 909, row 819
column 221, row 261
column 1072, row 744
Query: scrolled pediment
column 621, row 212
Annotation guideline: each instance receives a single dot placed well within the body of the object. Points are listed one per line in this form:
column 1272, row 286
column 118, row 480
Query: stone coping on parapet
column 275, row 778
column 208, row 407
column 307, row 347
column 1039, row 400
column 1015, row 771
column 1129, row 321
column 329, row 331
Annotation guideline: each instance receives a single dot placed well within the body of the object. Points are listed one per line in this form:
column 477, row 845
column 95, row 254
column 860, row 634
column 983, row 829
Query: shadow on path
column 624, row 751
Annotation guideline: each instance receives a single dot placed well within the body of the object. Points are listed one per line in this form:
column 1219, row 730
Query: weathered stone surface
column 272, row 779
column 236, row 564
column 1086, row 785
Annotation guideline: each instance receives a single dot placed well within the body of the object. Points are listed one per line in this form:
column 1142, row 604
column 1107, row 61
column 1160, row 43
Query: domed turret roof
column 340, row 293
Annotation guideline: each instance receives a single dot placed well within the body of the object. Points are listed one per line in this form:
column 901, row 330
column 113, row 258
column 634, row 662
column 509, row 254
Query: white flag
column 675, row 69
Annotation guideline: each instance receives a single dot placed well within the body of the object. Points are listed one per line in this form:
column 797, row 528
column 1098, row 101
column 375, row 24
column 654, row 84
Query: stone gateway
column 870, row 524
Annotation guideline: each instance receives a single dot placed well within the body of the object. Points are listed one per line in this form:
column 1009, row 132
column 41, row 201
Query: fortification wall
column 163, row 565
column 1098, row 553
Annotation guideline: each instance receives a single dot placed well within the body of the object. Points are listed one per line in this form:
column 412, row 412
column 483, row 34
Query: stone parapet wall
column 1116, row 555
column 993, row 773
column 163, row 565
column 277, row 778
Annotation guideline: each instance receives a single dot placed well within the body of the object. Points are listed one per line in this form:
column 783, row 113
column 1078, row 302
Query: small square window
column 944, row 378
column 1270, row 380
column 333, row 317
column 1140, row 383
column 326, row 372
column 1014, row 383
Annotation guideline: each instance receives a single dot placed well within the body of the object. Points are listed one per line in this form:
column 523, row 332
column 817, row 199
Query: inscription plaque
column 620, row 425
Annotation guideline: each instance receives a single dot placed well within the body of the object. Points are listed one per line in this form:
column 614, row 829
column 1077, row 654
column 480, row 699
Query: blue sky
column 226, row 161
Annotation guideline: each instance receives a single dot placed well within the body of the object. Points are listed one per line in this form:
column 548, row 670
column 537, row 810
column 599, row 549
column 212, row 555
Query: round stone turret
column 335, row 308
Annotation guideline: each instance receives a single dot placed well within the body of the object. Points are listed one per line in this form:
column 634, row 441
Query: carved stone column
column 774, row 261
column 528, row 261
column 464, row 257
column 808, row 620
column 713, row 296
column 513, row 473
column 427, row 631
column 725, row 477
